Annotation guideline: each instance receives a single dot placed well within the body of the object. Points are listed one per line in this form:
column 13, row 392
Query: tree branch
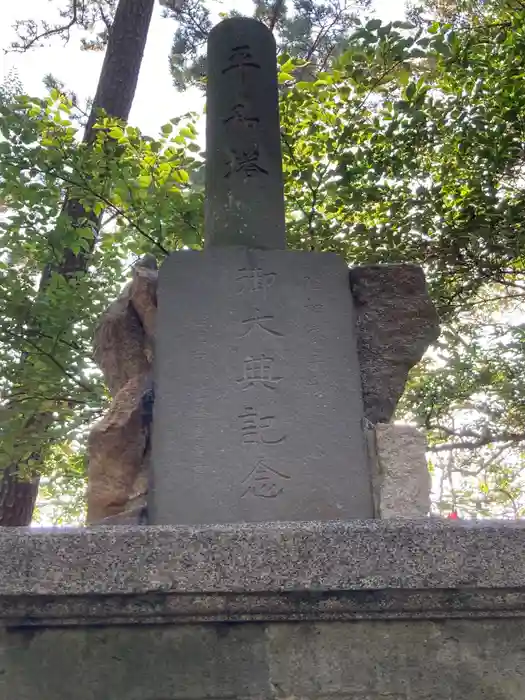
column 480, row 441
column 53, row 359
column 120, row 212
column 48, row 32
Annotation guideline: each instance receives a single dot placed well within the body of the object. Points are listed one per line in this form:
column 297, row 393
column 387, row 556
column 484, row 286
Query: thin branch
column 120, row 212
column 29, row 43
column 54, row 399
column 39, row 334
column 276, row 11
column 482, row 441
column 294, row 159
column 476, row 472
column 106, row 20
column 322, row 30
column 476, row 302
column 53, row 359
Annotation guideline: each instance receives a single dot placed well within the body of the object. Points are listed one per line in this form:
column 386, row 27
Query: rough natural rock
column 117, row 448
column 119, row 344
column 396, row 323
column 119, row 445
column 143, row 298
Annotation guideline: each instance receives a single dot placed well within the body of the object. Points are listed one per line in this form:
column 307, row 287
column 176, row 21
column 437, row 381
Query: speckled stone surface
column 402, row 484
column 396, row 322
column 262, row 557
column 363, row 610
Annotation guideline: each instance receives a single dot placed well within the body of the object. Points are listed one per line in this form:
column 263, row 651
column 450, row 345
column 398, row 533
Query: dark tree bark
column 17, row 499
column 115, row 93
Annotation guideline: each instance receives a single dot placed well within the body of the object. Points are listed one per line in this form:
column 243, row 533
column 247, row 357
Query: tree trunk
column 115, row 93
column 17, row 499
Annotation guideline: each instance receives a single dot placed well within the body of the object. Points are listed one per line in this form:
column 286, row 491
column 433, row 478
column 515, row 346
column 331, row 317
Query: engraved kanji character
column 259, row 370
column 259, row 321
column 253, row 428
column 240, row 57
column 245, row 161
column 264, row 482
column 238, row 116
column 255, row 280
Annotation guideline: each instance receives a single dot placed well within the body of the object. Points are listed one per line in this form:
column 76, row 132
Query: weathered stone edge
column 263, row 558
column 184, row 608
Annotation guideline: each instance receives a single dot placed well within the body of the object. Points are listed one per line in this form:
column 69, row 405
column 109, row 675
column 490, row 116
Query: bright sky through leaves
column 156, row 100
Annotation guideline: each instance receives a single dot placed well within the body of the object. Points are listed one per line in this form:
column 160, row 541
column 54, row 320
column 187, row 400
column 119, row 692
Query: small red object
column 453, row 515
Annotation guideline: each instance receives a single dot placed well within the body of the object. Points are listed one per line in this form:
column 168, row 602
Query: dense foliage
column 408, row 147
column 411, row 148
column 142, row 185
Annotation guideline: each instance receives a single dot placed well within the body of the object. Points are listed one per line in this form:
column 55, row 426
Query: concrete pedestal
column 364, row 610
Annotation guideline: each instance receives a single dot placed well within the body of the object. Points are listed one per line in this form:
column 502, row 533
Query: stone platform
column 361, row 610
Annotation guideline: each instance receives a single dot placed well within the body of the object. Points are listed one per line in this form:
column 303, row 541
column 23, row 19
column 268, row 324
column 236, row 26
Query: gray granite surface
column 258, row 406
column 402, row 481
column 365, row 610
column 263, row 558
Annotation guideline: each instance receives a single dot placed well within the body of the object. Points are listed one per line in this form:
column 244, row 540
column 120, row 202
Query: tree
column 310, row 30
column 115, row 92
column 33, row 432
column 91, row 16
column 457, row 12
column 141, row 184
column 417, row 155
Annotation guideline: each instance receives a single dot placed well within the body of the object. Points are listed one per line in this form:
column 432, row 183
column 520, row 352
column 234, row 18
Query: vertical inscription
column 238, row 117
column 243, row 157
column 245, row 161
column 240, row 58
column 314, row 366
column 316, row 308
column 259, row 321
column 244, row 189
column 312, row 285
column 259, row 428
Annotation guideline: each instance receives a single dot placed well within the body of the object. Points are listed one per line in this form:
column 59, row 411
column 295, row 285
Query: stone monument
column 376, row 609
column 272, row 366
column 258, row 405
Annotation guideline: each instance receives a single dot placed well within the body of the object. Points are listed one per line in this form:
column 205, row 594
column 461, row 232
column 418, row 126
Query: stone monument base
column 361, row 610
